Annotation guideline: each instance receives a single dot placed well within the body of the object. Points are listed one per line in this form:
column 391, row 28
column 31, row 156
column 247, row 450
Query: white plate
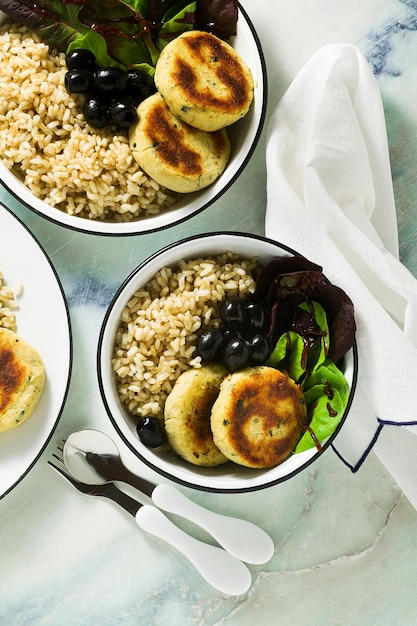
column 42, row 320
column 244, row 136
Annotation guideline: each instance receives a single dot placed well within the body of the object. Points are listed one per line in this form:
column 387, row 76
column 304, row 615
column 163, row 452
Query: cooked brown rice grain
column 46, row 142
column 155, row 341
column 8, row 305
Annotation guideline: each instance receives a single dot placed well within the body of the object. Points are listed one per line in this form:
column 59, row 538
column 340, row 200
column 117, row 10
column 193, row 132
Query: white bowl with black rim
column 229, row 477
column 244, row 136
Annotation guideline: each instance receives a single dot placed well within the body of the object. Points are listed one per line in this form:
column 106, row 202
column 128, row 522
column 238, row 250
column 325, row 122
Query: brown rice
column 45, row 140
column 155, row 341
column 8, row 306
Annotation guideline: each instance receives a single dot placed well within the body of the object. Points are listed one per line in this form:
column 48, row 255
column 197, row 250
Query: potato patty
column 176, row 155
column 187, row 415
column 22, row 378
column 204, row 81
column 258, row 417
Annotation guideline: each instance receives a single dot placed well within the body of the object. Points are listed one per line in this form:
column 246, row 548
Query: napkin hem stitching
column 358, row 465
column 392, row 423
column 354, row 468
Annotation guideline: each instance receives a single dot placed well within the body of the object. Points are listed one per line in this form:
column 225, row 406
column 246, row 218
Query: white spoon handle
column 241, row 538
column 217, row 567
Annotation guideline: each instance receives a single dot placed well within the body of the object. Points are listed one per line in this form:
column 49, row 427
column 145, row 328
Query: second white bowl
column 224, row 478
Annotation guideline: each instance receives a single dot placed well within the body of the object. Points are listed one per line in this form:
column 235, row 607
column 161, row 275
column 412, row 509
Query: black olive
column 110, row 79
column 139, row 85
column 255, row 319
column 229, row 334
column 232, row 312
column 151, row 432
column 236, row 355
column 79, row 80
column 260, row 349
column 81, row 59
column 96, row 111
column 209, row 343
column 123, row 114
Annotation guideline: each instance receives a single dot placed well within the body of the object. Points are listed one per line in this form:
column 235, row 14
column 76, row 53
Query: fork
column 246, row 541
column 220, row 569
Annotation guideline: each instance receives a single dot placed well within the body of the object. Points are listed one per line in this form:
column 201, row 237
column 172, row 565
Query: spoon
column 93, row 457
column 219, row 568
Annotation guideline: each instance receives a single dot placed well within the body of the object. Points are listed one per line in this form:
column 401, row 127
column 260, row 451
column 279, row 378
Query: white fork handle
column 219, row 568
column 244, row 540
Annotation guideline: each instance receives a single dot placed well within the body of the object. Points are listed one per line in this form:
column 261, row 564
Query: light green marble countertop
column 346, row 544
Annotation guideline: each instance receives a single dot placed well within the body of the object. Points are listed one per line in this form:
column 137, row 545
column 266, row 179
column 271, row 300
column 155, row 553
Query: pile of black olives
column 112, row 94
column 242, row 338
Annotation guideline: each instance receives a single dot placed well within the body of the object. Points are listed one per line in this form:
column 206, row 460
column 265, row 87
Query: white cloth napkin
column 330, row 198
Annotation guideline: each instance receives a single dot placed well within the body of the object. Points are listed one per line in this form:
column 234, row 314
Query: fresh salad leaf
column 287, row 281
column 288, row 355
column 218, row 17
column 55, row 21
column 301, row 350
column 326, row 393
column 123, row 28
column 96, row 44
column 340, row 315
column 291, row 276
column 315, row 335
column 128, row 33
column 182, row 19
column 332, row 377
column 159, row 11
column 60, row 22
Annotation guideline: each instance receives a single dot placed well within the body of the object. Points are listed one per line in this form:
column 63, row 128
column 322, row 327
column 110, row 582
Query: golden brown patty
column 258, row 417
column 204, row 81
column 177, row 156
column 187, row 415
column 22, row 378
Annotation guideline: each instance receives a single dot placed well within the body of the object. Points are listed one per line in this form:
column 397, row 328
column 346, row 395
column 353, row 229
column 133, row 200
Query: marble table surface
column 346, row 544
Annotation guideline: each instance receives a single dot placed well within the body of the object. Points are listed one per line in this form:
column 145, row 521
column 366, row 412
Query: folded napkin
column 330, row 198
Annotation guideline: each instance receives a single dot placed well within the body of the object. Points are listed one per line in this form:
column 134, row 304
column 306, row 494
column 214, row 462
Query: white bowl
column 244, row 136
column 224, row 478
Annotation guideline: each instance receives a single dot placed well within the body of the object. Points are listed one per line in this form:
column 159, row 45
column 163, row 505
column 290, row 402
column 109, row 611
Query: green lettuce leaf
column 177, row 20
column 304, row 357
column 124, row 29
column 141, row 6
column 301, row 354
column 288, row 355
column 326, row 393
column 96, row 44
column 319, row 346
column 330, row 375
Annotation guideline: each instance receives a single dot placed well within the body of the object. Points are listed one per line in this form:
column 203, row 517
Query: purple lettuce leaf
column 340, row 316
column 59, row 22
column 54, row 21
column 288, row 277
column 218, row 17
column 130, row 35
column 285, row 282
